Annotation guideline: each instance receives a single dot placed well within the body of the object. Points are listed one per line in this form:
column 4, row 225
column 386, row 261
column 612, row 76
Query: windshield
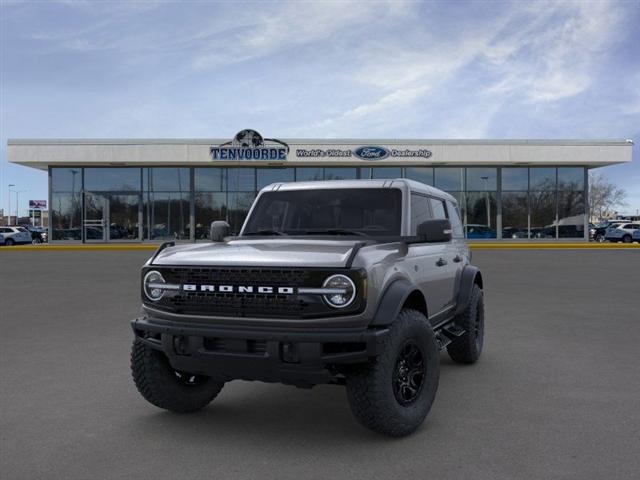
column 345, row 211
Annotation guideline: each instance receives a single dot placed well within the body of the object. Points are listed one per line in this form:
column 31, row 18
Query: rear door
column 431, row 264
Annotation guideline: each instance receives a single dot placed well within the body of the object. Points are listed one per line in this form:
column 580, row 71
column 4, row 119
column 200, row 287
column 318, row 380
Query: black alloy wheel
column 409, row 371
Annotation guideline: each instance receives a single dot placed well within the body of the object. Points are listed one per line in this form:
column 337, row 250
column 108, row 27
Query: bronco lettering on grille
column 237, row 289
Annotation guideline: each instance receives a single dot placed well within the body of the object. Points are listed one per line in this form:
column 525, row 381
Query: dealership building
column 132, row 190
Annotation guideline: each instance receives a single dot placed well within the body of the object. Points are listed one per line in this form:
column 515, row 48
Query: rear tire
column 468, row 347
column 393, row 393
column 626, row 239
column 9, row 242
column 164, row 387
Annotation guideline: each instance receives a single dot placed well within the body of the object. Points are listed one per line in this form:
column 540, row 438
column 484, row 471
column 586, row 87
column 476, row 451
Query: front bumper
column 302, row 358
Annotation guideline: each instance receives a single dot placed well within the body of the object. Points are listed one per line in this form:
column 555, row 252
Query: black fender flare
column 470, row 276
column 391, row 302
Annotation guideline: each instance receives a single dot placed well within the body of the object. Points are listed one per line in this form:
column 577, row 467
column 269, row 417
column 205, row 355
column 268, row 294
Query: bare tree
column 604, row 196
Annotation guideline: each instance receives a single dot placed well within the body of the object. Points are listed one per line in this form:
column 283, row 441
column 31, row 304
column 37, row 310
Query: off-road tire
column 370, row 388
column 159, row 384
column 468, row 347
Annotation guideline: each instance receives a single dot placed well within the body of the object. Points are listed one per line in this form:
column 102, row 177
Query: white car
column 623, row 232
column 15, row 235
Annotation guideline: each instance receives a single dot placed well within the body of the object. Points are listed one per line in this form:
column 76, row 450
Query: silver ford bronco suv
column 359, row 283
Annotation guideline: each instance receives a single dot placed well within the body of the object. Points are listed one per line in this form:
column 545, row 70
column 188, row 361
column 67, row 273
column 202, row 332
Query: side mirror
column 219, row 230
column 434, row 231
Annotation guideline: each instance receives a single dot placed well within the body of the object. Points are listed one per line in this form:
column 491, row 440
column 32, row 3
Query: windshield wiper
column 336, row 231
column 265, row 232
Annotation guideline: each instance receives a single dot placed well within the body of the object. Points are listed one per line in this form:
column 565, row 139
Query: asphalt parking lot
column 555, row 395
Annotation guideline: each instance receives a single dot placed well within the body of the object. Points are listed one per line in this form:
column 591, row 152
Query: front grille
column 250, row 304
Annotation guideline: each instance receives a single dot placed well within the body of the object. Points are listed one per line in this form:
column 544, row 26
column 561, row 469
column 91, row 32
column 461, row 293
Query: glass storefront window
column 241, row 179
column 515, row 215
column 339, row 173
column 542, row 207
column 66, row 179
column 571, row 211
column 515, row 179
column 238, row 204
column 420, row 174
column 66, row 218
column 449, row 179
column 542, row 178
column 309, row 174
column 481, row 215
column 112, row 179
column 209, row 207
column 482, row 179
column 167, row 216
column 267, row 176
column 166, row 179
column 209, row 179
column 381, row 172
column 571, row 178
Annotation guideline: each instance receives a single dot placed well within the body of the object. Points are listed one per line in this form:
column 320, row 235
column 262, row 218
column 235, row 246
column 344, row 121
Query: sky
column 387, row 69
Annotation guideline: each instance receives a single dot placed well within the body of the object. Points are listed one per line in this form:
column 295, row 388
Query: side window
column 420, row 211
column 456, row 223
column 437, row 207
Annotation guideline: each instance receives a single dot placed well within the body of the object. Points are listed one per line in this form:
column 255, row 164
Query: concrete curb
column 474, row 246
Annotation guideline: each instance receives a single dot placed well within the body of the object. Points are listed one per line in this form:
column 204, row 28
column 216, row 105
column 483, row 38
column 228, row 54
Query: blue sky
column 319, row 69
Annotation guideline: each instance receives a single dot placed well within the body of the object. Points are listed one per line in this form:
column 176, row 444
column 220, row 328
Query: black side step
column 448, row 334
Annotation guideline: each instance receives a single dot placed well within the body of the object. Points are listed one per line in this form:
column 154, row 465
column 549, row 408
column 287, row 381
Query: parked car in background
column 622, row 232
column 514, row 232
column 479, row 231
column 15, row 235
column 38, row 234
column 599, row 231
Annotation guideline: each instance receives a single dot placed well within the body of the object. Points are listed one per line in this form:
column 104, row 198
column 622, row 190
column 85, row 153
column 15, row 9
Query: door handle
column 441, row 262
column 457, row 259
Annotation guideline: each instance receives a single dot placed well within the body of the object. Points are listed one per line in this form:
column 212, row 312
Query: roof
column 44, row 153
column 314, row 141
column 364, row 183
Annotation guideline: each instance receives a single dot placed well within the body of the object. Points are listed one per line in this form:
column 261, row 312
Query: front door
column 112, row 217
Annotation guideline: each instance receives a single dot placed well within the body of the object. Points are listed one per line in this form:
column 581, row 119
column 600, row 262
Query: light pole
column 9, row 214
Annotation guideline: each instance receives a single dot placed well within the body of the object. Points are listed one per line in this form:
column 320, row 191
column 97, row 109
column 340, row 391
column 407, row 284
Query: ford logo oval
column 371, row 153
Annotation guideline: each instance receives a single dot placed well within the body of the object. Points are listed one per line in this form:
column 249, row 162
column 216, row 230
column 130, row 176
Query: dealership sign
column 250, row 145
column 366, row 152
column 38, row 204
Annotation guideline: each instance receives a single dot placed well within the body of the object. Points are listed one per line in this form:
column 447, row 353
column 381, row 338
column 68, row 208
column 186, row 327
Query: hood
column 261, row 252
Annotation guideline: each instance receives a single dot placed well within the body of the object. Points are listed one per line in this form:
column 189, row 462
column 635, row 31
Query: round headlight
column 344, row 291
column 152, row 280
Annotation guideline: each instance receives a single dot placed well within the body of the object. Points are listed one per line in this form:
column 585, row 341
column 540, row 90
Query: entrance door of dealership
column 112, row 216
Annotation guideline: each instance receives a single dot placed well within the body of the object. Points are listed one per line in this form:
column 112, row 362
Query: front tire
column 394, row 392
column 599, row 238
column 468, row 347
column 164, row 387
